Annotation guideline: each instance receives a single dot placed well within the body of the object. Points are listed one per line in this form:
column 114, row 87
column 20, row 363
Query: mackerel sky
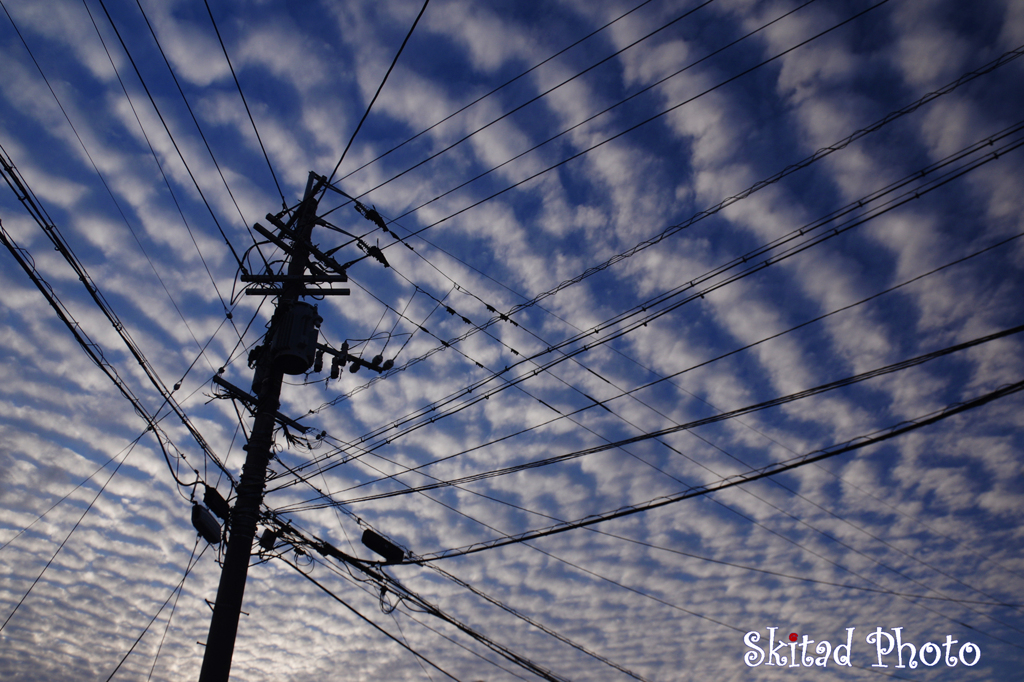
column 606, row 220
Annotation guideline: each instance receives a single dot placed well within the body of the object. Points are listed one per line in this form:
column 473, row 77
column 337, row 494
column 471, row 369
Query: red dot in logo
column 793, row 636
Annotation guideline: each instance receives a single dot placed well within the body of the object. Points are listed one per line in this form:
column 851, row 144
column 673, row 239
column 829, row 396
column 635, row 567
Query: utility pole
column 289, row 348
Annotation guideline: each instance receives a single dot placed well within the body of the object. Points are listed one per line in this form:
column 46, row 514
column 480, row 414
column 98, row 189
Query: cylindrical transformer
column 206, row 524
column 391, row 552
column 295, row 335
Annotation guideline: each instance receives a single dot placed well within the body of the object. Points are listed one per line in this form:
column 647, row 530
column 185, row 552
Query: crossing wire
column 848, row 547
column 820, row 154
column 968, row 158
column 189, row 565
column 649, row 119
column 72, row 531
column 92, row 349
column 775, row 402
column 323, row 588
column 904, row 427
column 495, row 90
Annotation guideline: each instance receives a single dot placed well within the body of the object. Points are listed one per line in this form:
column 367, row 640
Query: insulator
column 388, row 364
column 391, row 552
column 318, row 363
column 217, row 504
column 377, row 359
column 335, row 367
column 206, row 524
column 354, row 368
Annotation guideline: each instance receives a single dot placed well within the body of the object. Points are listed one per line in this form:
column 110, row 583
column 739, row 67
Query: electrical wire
column 24, row 193
column 862, row 211
column 71, row 532
column 323, row 588
column 65, row 497
column 202, row 135
column 746, row 477
column 379, row 88
column 647, row 120
column 533, row 99
column 495, row 90
column 93, row 350
column 960, row 260
column 175, row 591
column 775, row 402
column 820, row 154
column 224, row 49
column 170, row 135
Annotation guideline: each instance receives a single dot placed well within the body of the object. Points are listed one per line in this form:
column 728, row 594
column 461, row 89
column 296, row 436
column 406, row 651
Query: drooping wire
column 24, row 193
column 387, row 634
column 95, row 353
column 543, row 628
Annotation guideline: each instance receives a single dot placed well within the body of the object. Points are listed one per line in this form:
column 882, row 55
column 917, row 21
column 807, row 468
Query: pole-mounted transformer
column 295, row 333
column 206, row 524
column 391, row 552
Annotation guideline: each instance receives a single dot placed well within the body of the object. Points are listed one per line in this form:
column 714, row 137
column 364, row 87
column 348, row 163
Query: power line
column 175, row 591
column 323, row 588
column 820, row 154
column 379, row 88
column 202, row 136
column 812, row 234
column 284, row 202
column 531, row 101
column 746, row 477
column 775, row 402
column 168, row 131
column 71, row 532
column 648, row 119
column 93, row 350
column 500, row 87
column 39, row 215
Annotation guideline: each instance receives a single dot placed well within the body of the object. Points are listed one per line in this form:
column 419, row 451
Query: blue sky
column 688, row 252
